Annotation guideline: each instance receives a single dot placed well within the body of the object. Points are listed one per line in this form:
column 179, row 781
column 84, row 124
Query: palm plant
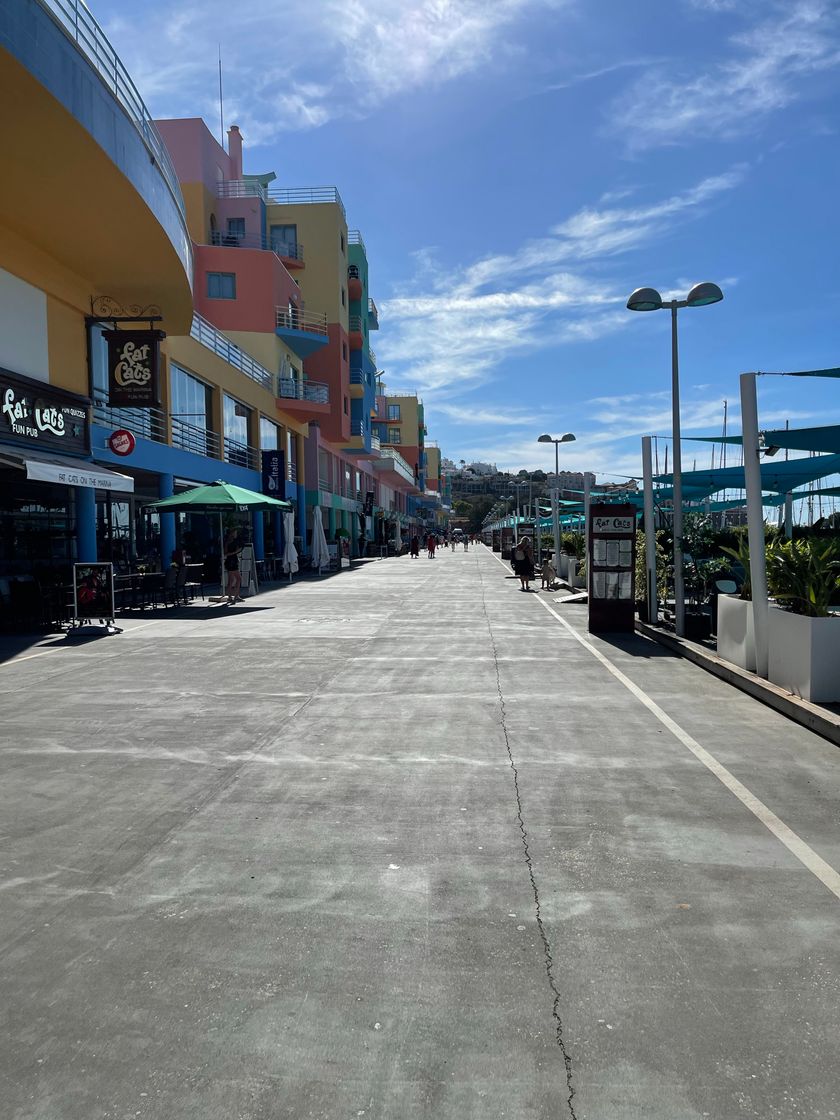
column 741, row 553
column 804, row 575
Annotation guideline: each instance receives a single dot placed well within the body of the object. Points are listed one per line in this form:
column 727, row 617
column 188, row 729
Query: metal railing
column 354, row 324
column 285, row 250
column 220, row 344
column 354, row 237
column 296, row 320
column 241, row 454
column 372, row 354
column 240, row 188
column 292, row 472
column 357, row 427
column 150, row 423
column 79, row 25
column 293, row 196
column 292, row 389
column 358, row 377
column 324, row 484
column 189, row 437
column 373, row 311
column 375, row 442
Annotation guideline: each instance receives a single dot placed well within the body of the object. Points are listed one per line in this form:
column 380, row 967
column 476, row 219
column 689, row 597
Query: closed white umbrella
column 290, row 556
column 397, row 536
column 320, row 552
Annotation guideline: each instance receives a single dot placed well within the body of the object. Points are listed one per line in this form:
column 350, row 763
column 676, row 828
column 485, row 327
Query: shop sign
column 272, row 473
column 133, row 360
column 122, row 441
column 34, row 413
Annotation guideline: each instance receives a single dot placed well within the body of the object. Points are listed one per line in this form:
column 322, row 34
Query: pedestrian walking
column 466, row 544
column 233, row 546
column 430, row 545
column 415, row 547
column 523, row 563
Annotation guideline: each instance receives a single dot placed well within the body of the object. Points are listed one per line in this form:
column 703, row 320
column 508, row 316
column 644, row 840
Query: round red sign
column 122, row 442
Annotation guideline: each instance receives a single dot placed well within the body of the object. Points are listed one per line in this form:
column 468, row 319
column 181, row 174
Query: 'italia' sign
column 133, row 360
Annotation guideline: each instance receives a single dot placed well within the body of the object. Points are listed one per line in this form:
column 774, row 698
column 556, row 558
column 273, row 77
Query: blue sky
column 517, row 167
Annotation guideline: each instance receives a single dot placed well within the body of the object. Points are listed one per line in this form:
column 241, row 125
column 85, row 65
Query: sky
column 518, row 167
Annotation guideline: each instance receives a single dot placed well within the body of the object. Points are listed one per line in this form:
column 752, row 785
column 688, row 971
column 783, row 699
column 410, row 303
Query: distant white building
column 482, row 468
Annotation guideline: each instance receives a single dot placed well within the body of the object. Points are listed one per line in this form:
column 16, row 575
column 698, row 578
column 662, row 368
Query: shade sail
column 217, row 497
column 825, row 438
column 781, row 476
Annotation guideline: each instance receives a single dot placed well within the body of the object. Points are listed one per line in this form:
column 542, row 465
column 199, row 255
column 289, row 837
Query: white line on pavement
column 794, row 843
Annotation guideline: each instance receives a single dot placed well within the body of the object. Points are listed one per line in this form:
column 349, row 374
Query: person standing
column 233, row 546
column 430, row 545
column 523, row 563
column 415, row 547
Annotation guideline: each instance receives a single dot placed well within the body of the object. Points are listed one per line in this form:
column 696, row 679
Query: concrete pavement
column 398, row 845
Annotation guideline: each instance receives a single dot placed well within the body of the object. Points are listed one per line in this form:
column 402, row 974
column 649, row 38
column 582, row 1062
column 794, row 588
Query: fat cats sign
column 133, row 361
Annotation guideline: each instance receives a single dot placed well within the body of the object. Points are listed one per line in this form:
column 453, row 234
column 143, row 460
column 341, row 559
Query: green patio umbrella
column 218, row 497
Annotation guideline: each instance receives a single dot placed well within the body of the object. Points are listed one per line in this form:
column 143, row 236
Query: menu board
column 612, row 562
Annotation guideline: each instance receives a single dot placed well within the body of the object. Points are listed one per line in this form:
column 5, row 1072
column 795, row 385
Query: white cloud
column 294, row 69
column 468, row 322
column 769, row 67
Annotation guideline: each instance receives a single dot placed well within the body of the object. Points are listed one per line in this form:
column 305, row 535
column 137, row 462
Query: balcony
column 306, row 400
column 305, row 196
column 355, row 288
column 241, row 188
column 363, row 443
column 150, row 423
column 89, row 178
column 199, row 441
column 304, row 332
column 242, row 455
column 220, row 344
column 356, row 332
column 290, row 253
column 373, row 316
column 394, row 469
column 354, row 237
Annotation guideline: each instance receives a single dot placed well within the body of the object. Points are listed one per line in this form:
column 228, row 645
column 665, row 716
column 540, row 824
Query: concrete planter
column 735, row 633
column 574, row 580
column 563, row 566
column 805, row 655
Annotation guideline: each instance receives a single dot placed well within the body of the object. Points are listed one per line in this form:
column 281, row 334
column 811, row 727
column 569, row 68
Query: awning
column 65, row 471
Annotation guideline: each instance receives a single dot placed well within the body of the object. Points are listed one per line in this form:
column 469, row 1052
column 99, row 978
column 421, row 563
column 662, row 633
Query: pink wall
column 329, row 365
column 197, row 154
column 262, row 285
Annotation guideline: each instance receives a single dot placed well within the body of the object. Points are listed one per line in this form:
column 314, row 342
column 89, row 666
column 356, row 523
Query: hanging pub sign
column 133, row 360
column 36, row 414
column 272, row 473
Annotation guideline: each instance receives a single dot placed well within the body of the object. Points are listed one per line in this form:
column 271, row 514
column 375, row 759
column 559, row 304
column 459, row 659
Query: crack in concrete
column 529, row 862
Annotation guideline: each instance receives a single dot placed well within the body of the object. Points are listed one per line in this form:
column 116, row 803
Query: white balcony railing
column 220, row 344
column 295, row 196
column 292, row 319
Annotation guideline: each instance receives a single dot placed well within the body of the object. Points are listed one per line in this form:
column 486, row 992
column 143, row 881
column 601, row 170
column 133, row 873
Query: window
column 236, row 418
column 269, row 435
column 393, row 412
column 235, row 231
column 343, row 298
column 394, row 435
column 346, row 409
column 341, row 235
column 190, row 407
column 283, row 240
column 221, row 285
column 344, row 351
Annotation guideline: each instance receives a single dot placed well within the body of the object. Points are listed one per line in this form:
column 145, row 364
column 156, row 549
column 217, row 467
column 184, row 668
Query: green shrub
column 804, row 575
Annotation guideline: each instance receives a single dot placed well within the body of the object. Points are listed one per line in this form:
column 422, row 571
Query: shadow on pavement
column 635, row 645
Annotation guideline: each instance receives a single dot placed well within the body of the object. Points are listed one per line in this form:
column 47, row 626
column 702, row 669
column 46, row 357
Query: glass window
column 190, row 407
column 235, row 230
column 236, row 417
column 283, row 240
column 269, row 435
column 394, row 435
column 343, row 298
column 221, row 285
column 393, row 412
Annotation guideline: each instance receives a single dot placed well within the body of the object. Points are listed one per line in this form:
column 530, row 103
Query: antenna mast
column 221, row 99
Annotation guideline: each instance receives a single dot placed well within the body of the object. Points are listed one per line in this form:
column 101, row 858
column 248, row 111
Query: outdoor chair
column 170, row 587
column 186, row 585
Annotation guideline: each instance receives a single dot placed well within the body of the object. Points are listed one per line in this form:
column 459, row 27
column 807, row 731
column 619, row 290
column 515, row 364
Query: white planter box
column 735, row 633
column 563, row 567
column 805, row 655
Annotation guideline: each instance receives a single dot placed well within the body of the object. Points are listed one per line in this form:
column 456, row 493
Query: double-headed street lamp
column 555, row 490
column 648, row 299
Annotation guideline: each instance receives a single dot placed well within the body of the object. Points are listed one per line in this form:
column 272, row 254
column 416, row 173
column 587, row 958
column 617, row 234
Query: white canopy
column 290, row 556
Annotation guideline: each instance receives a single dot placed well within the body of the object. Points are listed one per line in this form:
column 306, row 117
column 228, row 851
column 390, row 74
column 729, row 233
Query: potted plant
column 642, row 607
column 803, row 634
column 735, row 630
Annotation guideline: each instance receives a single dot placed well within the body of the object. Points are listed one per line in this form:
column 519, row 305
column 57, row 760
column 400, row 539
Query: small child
column 548, row 575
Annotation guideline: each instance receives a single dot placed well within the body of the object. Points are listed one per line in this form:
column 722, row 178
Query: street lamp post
column 648, row 299
column 555, row 490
